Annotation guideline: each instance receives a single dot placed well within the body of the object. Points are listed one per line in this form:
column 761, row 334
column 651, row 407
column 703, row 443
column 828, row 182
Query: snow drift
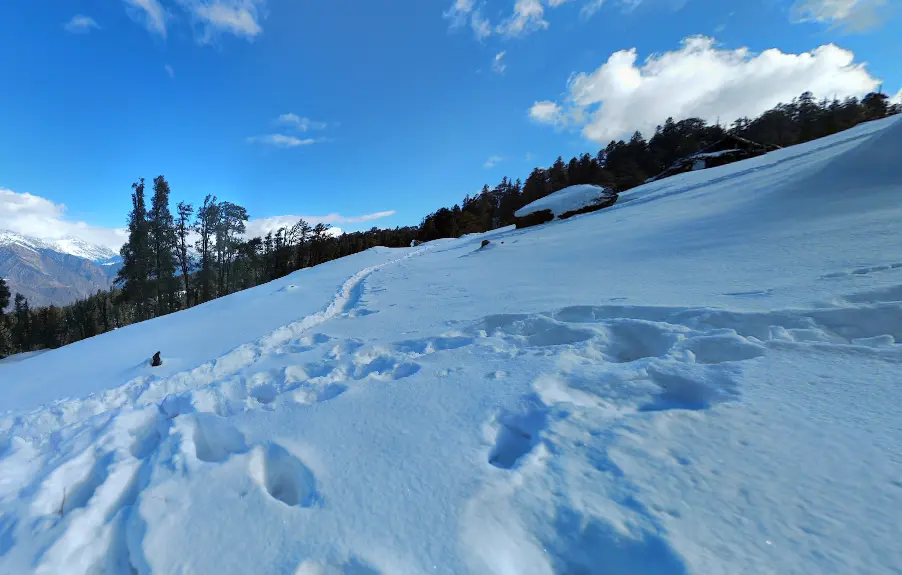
column 570, row 199
column 701, row 379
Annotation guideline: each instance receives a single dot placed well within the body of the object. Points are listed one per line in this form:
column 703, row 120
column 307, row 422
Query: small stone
column 156, row 361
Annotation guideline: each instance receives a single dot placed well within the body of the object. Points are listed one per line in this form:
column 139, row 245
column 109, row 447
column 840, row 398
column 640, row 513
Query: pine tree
column 4, row 295
column 162, row 243
column 536, row 186
column 876, row 105
column 182, row 227
column 205, row 225
column 557, row 175
column 318, row 241
column 134, row 273
column 6, row 337
column 22, row 332
column 229, row 228
column 7, row 347
column 299, row 236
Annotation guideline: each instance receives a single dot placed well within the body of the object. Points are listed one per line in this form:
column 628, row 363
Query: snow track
column 148, row 390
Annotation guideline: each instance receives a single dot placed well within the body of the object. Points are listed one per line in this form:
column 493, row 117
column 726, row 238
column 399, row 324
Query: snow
column 703, row 378
column 714, row 154
column 21, row 356
column 10, row 238
column 72, row 246
column 83, row 249
column 562, row 201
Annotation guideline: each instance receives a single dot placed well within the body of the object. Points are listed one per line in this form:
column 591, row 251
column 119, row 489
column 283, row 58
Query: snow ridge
column 71, row 246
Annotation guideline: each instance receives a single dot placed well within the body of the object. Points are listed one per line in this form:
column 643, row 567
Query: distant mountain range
column 55, row 271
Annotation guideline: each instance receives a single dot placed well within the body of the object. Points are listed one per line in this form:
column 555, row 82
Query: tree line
column 624, row 164
column 163, row 271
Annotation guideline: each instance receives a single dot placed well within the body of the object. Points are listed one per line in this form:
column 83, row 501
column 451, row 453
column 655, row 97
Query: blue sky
column 348, row 110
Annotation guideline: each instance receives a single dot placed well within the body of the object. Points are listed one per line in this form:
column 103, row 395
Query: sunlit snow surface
column 704, row 378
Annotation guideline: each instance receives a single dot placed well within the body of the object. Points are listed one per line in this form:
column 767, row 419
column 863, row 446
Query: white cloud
column 698, row 80
column 462, row 11
column 80, row 24
column 897, row 99
column 295, row 122
column 458, row 12
column 852, row 15
column 214, row 17
column 498, row 65
column 480, row 25
column 528, row 16
column 299, row 123
column 492, row 162
column 152, row 13
column 39, row 217
column 261, row 226
column 236, row 17
column 282, row 140
column 590, row 8
column 170, row 71
column 547, row 112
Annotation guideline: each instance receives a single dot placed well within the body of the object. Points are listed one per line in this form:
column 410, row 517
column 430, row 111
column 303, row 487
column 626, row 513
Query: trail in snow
column 106, row 445
column 148, row 390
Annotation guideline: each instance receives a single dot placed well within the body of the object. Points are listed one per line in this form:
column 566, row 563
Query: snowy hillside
column 703, row 378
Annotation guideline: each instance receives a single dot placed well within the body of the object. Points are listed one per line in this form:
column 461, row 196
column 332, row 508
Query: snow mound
column 718, row 394
column 566, row 200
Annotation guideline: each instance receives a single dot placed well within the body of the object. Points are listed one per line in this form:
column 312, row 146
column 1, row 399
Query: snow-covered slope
column 703, row 378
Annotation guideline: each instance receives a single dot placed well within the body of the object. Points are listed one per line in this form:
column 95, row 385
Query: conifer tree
column 134, row 273
column 205, row 226
column 6, row 337
column 4, row 295
column 22, row 328
column 229, row 229
column 162, row 243
column 182, row 228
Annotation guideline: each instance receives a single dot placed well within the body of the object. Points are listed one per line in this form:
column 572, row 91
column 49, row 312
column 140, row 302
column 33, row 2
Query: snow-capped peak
column 72, row 246
column 83, row 249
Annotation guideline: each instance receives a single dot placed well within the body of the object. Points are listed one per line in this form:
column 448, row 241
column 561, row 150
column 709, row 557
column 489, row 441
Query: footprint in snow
column 215, row 440
column 283, row 476
column 518, row 432
column 691, row 388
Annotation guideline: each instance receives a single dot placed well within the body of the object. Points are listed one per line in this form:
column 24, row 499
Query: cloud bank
column 700, row 79
column 39, row 217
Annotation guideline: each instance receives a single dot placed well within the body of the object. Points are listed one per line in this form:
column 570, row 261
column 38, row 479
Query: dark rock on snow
column 156, row 361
